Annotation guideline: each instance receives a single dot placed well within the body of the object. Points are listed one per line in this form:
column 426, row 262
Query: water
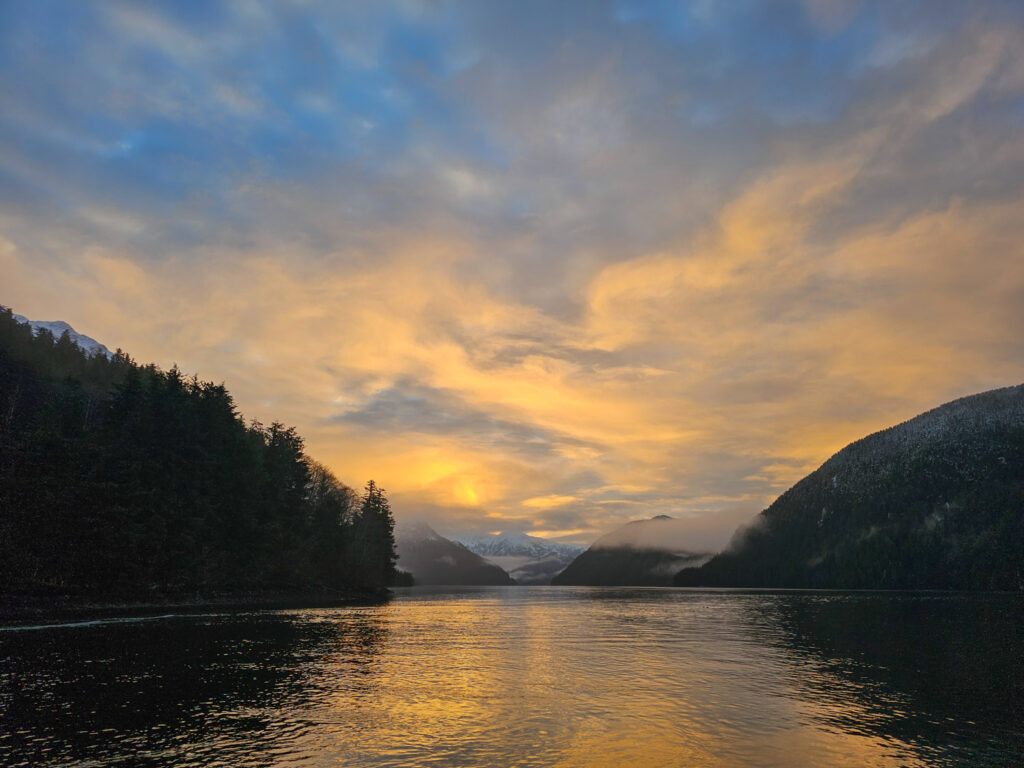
column 530, row 677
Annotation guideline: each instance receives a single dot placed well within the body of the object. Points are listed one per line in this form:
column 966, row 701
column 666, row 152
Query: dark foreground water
column 530, row 677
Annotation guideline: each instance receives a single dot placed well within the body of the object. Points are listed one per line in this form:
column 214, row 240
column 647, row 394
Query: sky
column 546, row 267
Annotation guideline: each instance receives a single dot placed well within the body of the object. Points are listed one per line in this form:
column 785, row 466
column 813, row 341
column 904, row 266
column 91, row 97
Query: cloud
column 545, row 270
column 549, row 501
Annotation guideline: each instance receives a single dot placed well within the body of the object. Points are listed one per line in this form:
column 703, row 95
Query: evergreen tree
column 374, row 537
column 121, row 480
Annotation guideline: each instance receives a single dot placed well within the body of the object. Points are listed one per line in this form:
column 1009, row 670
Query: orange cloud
column 562, row 375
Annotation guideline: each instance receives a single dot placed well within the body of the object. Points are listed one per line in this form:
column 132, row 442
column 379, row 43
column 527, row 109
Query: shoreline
column 22, row 608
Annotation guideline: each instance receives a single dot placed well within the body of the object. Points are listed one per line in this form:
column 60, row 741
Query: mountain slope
column 58, row 328
column 433, row 559
column 935, row 502
column 640, row 553
column 528, row 559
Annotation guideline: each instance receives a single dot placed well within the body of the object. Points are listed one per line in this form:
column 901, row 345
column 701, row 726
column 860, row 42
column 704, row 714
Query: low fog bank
column 709, row 532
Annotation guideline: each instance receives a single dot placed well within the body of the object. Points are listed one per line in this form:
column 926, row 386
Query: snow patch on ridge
column 58, row 328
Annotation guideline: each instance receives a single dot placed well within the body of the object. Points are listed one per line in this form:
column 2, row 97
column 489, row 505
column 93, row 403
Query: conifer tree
column 375, row 537
column 122, row 480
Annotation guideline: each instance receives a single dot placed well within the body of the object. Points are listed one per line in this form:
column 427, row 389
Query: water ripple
column 528, row 677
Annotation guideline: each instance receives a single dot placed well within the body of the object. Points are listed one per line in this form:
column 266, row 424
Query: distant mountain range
column 935, row 502
column 58, row 328
column 433, row 559
column 640, row 553
column 528, row 559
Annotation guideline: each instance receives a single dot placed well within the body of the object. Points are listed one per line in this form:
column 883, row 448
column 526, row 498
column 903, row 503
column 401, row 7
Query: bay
column 530, row 676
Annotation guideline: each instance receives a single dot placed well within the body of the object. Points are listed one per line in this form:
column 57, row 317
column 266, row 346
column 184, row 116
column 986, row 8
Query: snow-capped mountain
column 58, row 328
column 529, row 559
column 517, row 543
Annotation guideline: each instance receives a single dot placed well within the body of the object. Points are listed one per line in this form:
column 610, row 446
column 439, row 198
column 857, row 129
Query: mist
column 709, row 532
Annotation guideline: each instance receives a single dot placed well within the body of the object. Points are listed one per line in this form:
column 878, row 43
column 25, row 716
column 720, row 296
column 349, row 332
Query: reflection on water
column 530, row 677
column 173, row 691
column 942, row 672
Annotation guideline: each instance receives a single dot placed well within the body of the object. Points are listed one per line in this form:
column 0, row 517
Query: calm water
column 530, row 677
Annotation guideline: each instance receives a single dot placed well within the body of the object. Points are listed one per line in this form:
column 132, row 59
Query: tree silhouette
column 121, row 480
column 374, row 537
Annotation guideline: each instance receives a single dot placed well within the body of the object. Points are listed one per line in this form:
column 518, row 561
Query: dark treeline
column 121, row 480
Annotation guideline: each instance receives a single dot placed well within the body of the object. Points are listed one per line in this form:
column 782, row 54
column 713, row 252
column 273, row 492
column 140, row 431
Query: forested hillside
column 934, row 503
column 641, row 553
column 122, row 480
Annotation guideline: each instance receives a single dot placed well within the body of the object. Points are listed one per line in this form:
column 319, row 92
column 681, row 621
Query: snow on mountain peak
column 521, row 544
column 58, row 328
column 529, row 559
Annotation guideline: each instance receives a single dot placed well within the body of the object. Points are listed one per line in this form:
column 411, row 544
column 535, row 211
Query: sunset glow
column 548, row 270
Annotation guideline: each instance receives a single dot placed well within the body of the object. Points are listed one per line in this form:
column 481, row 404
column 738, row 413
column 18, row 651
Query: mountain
column 528, row 559
column 58, row 328
column 640, row 553
column 433, row 559
column 936, row 502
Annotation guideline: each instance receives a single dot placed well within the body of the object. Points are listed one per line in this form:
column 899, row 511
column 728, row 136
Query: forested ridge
column 122, row 480
column 624, row 566
column 934, row 503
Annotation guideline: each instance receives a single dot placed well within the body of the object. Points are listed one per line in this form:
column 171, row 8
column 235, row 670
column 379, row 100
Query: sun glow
column 465, row 494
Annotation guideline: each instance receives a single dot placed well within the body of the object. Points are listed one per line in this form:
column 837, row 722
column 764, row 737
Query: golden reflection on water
column 495, row 678
column 565, row 677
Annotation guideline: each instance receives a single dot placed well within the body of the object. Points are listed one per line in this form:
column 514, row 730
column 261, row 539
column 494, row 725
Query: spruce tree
column 375, row 537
